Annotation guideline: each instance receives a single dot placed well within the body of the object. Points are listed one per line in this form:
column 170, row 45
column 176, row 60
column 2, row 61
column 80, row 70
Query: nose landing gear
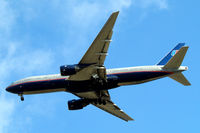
column 21, row 97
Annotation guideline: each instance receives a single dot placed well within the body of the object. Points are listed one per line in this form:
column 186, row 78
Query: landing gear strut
column 99, row 101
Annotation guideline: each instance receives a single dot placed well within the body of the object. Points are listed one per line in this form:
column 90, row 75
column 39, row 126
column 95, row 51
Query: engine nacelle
column 69, row 69
column 112, row 79
column 77, row 104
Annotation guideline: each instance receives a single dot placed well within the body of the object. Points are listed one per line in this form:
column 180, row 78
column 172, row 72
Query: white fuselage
column 127, row 76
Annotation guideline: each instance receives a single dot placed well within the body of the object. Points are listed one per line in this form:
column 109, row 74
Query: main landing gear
column 99, row 101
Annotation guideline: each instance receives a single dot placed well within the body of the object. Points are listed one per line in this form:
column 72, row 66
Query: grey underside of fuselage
column 68, row 89
column 126, row 76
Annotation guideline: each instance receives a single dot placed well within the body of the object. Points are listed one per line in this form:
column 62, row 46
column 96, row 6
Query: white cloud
column 6, row 105
column 87, row 13
column 6, row 111
column 15, row 59
column 20, row 61
column 161, row 4
column 6, row 17
column 119, row 4
column 35, row 108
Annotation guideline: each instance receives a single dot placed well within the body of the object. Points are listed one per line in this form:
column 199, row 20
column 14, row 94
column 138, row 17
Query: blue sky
column 37, row 36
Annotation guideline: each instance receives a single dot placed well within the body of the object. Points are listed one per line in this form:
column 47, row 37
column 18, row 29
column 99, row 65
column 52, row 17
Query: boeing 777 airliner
column 90, row 80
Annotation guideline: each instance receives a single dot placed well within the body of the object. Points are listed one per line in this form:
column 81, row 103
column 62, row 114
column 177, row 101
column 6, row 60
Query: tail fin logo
column 171, row 54
column 174, row 52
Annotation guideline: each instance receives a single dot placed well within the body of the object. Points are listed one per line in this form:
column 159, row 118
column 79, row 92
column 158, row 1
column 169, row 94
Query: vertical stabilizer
column 177, row 59
column 173, row 60
column 171, row 54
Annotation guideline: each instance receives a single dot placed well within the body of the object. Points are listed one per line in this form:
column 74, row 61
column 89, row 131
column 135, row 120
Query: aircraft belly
column 86, row 86
column 44, row 91
column 139, row 77
column 43, row 86
column 61, row 85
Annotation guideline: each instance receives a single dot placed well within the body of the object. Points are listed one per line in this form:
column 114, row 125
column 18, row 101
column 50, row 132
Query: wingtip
column 114, row 15
column 130, row 120
column 189, row 84
column 116, row 12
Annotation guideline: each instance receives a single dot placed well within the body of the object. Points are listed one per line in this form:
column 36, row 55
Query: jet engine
column 77, row 104
column 69, row 69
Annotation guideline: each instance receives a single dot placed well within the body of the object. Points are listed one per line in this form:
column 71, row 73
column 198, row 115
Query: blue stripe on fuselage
column 139, row 76
column 84, row 85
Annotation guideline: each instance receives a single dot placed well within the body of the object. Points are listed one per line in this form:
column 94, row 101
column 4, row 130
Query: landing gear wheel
column 22, row 98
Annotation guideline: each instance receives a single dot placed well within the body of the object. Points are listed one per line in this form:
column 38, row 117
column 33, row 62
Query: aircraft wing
column 95, row 57
column 84, row 74
column 98, row 50
column 110, row 107
column 96, row 54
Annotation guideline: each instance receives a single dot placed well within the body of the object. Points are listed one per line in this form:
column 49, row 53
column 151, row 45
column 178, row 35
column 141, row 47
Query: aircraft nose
column 12, row 89
column 8, row 89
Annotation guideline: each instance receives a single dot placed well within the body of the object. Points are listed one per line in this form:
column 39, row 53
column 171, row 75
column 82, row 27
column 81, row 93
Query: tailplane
column 173, row 61
column 179, row 77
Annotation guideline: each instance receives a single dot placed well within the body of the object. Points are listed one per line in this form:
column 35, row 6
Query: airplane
column 91, row 81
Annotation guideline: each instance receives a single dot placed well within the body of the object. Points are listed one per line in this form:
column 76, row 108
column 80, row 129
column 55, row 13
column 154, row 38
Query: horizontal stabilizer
column 179, row 77
column 177, row 59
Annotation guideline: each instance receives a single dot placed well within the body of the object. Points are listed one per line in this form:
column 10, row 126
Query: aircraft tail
column 166, row 59
column 173, row 60
column 177, row 58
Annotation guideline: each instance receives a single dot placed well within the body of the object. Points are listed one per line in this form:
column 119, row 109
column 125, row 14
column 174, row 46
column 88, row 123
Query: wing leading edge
column 98, row 50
